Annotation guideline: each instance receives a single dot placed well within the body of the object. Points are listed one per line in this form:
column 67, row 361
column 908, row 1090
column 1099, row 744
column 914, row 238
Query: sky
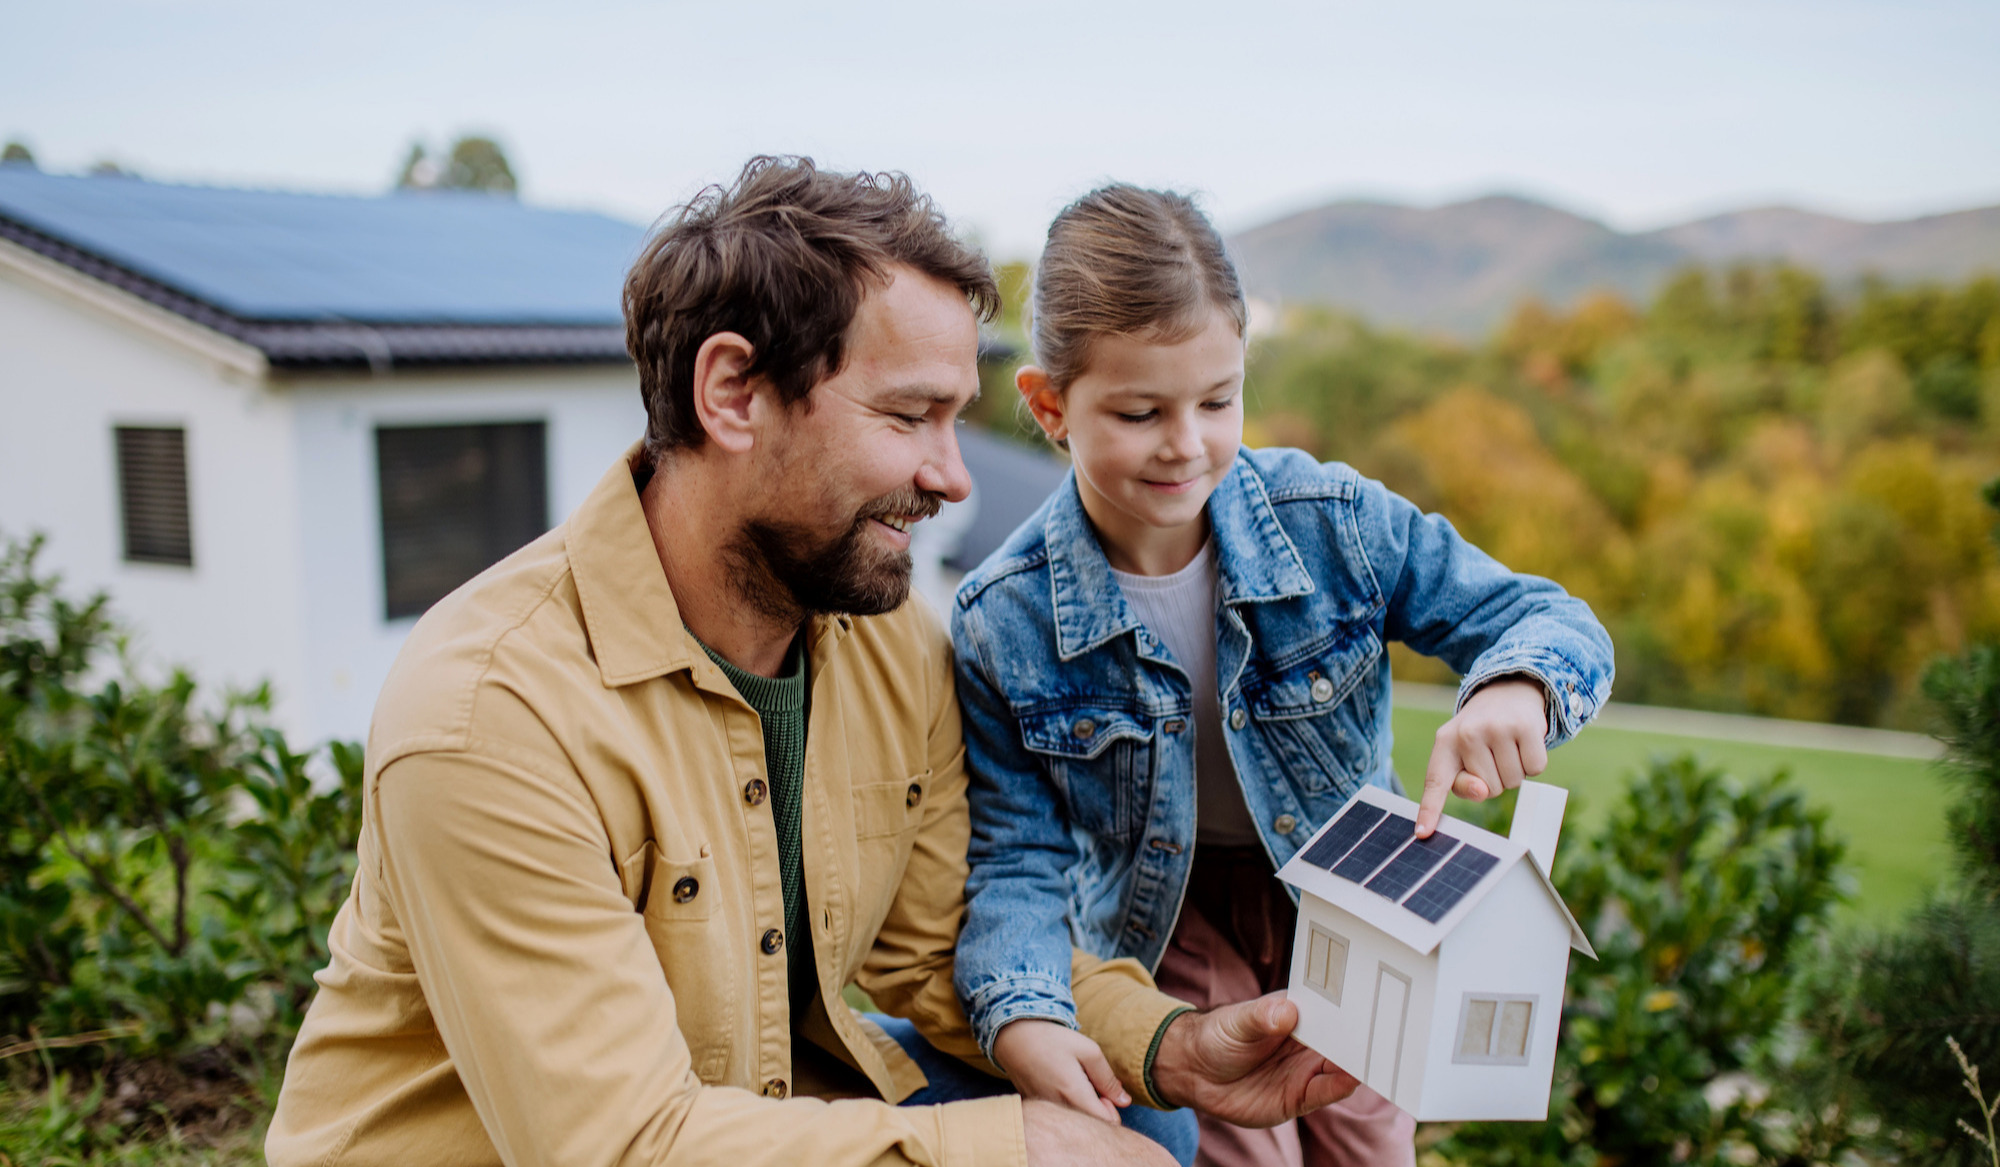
column 1638, row 113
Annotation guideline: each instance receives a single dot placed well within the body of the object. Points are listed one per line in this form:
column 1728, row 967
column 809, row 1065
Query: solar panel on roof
column 1346, row 831
column 438, row 257
column 1441, row 892
column 1411, row 864
column 1377, row 847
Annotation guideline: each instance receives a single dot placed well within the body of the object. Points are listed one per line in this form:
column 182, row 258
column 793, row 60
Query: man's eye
column 910, row 419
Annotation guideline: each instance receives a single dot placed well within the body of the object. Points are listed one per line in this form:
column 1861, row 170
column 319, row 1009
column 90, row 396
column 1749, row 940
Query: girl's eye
column 1137, row 417
column 1218, row 406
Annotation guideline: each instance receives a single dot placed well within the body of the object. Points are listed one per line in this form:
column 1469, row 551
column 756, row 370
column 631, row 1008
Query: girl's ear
column 1044, row 401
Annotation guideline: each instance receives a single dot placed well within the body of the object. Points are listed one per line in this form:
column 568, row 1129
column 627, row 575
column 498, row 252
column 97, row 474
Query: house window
column 1493, row 1029
column 153, row 494
column 455, row 500
column 1326, row 962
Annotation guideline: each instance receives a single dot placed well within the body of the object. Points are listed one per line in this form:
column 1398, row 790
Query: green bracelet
column 1153, row 1051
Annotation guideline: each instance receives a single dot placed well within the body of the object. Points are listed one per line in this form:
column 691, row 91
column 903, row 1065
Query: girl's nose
column 1184, row 440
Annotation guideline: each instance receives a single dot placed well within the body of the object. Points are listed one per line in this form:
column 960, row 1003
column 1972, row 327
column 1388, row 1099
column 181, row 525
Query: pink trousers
column 1233, row 943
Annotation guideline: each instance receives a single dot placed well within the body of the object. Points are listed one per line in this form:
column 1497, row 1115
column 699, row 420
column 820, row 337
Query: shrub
column 168, row 864
column 1699, row 893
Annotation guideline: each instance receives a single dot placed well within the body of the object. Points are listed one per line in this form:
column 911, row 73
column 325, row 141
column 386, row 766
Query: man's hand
column 1493, row 743
column 1240, row 1064
column 1060, row 1137
column 1055, row 1063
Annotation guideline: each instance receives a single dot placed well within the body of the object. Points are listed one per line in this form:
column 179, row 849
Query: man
column 646, row 796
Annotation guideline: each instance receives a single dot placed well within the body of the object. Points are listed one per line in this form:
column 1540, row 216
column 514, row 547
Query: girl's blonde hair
column 1126, row 261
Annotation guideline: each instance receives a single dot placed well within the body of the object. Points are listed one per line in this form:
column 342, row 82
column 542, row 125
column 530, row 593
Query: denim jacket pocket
column 1101, row 759
column 1316, row 714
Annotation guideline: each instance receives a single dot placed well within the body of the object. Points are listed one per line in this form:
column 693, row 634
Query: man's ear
column 725, row 395
column 1044, row 401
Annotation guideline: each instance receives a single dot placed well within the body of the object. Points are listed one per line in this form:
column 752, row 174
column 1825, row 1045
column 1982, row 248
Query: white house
column 1433, row 969
column 277, row 426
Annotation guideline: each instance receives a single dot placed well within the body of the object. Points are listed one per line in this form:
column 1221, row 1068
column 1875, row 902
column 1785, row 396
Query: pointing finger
column 1438, row 778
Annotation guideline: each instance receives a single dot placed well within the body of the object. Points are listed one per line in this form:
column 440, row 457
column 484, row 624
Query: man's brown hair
column 1126, row 261
column 783, row 257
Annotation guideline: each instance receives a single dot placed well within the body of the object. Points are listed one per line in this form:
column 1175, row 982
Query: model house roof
column 333, row 280
column 1368, row 861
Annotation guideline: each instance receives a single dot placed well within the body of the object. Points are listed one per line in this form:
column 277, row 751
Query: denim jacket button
column 1084, row 729
column 1174, row 725
column 1238, row 719
column 1322, row 690
column 1284, row 824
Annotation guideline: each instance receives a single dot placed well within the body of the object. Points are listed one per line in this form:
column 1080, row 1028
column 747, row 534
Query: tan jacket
column 562, row 943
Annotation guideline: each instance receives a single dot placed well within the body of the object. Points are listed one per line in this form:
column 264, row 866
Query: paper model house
column 1432, row 969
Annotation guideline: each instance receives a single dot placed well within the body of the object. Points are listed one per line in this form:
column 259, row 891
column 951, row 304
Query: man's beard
column 788, row 571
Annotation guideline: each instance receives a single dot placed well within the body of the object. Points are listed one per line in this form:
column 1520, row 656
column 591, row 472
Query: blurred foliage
column 1766, row 491
column 169, row 866
column 1883, row 1011
column 472, row 163
column 16, row 153
column 1701, row 895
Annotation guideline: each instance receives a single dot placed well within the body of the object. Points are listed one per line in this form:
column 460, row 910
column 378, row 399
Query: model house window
column 1493, row 1030
column 153, row 494
column 1326, row 962
column 455, row 500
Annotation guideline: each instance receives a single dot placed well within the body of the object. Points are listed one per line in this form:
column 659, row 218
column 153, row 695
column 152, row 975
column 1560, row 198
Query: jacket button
column 1084, row 729
column 1322, row 690
column 685, row 888
column 914, row 795
column 773, row 941
column 1238, row 719
column 1284, row 824
column 1174, row 725
column 754, row 791
column 776, row 1088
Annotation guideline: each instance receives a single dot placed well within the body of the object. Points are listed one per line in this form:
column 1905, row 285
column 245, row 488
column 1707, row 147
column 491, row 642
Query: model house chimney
column 1538, row 820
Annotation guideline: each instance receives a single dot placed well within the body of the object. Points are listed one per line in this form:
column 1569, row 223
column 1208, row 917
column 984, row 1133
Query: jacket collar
column 1255, row 561
column 629, row 612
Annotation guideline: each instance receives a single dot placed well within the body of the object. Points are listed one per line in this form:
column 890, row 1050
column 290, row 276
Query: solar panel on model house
column 1366, row 841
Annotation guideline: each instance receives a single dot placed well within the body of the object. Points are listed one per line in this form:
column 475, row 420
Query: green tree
column 472, row 163
column 16, row 153
column 1891, row 1000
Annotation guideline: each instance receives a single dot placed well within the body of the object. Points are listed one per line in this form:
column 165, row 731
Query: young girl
column 1174, row 672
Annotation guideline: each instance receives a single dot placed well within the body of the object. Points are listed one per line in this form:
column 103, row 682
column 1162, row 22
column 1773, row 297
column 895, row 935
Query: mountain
column 1460, row 268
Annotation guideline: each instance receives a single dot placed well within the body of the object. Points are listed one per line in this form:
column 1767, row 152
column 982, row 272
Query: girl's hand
column 1055, row 1063
column 1493, row 743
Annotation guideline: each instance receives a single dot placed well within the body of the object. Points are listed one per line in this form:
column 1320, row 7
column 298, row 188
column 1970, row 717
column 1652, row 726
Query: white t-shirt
column 1180, row 610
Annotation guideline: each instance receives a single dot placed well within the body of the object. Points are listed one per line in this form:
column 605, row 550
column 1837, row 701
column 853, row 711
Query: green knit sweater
column 780, row 703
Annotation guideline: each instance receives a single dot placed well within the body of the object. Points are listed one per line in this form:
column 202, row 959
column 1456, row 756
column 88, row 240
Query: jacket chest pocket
column 1101, row 760
column 680, row 903
column 1317, row 716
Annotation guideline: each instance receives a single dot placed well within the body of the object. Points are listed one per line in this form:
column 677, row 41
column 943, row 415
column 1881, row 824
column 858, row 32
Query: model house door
column 1385, row 1031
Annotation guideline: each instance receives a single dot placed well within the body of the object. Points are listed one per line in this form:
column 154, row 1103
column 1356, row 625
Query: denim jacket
column 1077, row 719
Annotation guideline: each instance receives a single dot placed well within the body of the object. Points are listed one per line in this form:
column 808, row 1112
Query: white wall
column 1514, row 942
column 592, row 415
column 1341, row 1032
column 70, row 370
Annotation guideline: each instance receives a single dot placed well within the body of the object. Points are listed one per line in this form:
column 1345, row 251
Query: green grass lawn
column 1890, row 810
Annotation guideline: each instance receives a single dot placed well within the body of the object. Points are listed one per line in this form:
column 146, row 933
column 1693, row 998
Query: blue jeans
column 953, row 1081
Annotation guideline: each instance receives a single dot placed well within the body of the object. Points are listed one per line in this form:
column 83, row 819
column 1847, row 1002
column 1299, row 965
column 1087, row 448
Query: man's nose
column 944, row 472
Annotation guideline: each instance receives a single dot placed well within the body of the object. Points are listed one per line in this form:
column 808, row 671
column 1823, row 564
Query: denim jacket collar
column 1255, row 561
